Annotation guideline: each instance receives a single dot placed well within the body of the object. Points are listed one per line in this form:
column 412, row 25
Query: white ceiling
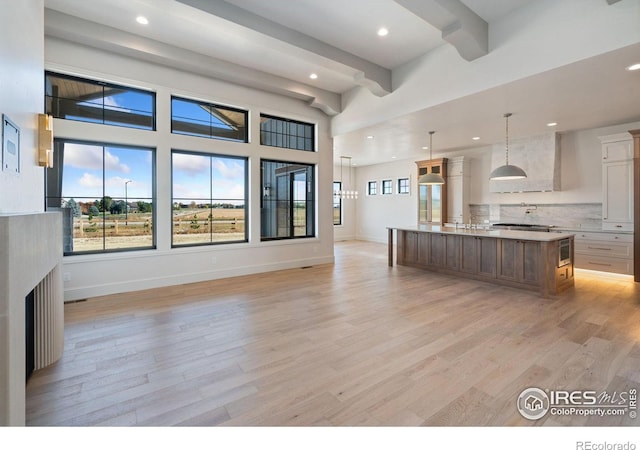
column 276, row 44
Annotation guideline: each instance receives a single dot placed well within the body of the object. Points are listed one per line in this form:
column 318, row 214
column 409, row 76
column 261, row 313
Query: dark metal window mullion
column 292, row 228
column 104, row 195
column 210, row 219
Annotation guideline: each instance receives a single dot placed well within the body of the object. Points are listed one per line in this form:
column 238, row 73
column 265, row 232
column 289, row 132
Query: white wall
column 21, row 99
column 91, row 275
column 376, row 212
column 581, row 182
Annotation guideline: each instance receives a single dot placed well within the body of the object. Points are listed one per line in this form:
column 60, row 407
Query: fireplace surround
column 30, row 260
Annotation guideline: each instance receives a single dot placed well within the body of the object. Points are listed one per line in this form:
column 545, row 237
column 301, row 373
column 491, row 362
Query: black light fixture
column 430, row 178
column 508, row 171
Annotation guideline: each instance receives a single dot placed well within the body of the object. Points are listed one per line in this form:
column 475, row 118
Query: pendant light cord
column 431, row 148
column 507, row 115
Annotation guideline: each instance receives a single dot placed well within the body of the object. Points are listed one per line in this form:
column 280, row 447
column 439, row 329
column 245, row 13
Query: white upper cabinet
column 617, row 182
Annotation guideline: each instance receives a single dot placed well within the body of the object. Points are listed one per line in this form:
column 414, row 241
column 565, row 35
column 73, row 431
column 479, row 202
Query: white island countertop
column 539, row 236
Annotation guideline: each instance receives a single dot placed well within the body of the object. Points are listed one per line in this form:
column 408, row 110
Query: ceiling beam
column 74, row 29
column 372, row 76
column 460, row 26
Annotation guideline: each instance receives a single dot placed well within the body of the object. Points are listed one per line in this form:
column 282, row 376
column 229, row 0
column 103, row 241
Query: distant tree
column 145, row 207
column 193, row 205
column 93, row 211
column 104, row 204
column 74, row 206
column 176, row 206
column 117, row 207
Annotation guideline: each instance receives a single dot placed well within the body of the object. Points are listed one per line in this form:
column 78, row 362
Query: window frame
column 103, row 84
column 372, row 188
column 387, row 185
column 284, row 120
column 312, row 168
column 404, row 186
column 211, row 135
column 336, row 195
column 211, row 199
column 59, row 163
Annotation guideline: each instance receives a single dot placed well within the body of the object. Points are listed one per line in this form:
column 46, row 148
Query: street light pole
column 126, row 203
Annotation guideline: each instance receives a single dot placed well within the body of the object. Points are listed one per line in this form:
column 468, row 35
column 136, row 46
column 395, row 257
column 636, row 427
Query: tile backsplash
column 565, row 215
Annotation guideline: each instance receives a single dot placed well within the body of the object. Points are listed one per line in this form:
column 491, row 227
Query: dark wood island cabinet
column 522, row 259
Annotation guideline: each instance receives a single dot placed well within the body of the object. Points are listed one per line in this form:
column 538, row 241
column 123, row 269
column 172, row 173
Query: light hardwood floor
column 355, row 343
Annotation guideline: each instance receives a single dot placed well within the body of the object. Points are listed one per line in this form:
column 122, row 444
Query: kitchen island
column 531, row 260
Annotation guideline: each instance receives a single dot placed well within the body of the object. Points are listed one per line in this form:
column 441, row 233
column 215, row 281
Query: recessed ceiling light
column 425, row 148
column 383, row 31
column 476, row 138
column 552, row 124
column 393, row 157
column 370, row 137
column 313, row 76
column 142, row 20
column 635, row 66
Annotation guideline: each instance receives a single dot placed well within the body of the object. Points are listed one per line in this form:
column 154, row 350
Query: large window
column 203, row 119
column 107, row 194
column 288, row 200
column 85, row 100
column 209, row 198
column 337, row 203
column 286, row 133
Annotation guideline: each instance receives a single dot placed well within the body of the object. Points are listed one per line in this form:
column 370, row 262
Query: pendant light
column 346, row 193
column 508, row 171
column 430, row 178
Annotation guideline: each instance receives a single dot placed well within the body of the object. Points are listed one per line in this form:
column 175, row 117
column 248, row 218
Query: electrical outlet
column 66, row 276
column 214, row 260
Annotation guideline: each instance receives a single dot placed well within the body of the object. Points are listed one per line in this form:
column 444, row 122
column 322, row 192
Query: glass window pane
column 96, row 182
column 209, row 199
column 287, row 133
column 203, row 119
column 288, row 200
column 98, row 102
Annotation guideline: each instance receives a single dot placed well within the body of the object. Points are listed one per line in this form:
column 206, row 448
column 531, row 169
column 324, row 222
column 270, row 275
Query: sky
column 195, row 176
column 83, row 172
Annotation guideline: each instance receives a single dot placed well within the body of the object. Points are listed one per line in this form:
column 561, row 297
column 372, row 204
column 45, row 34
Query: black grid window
column 286, row 133
column 288, row 200
column 387, row 187
column 403, row 186
column 372, row 188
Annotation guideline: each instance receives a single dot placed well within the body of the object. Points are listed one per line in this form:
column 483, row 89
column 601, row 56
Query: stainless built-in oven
column 564, row 252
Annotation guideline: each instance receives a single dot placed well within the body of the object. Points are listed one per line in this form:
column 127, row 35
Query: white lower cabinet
column 606, row 252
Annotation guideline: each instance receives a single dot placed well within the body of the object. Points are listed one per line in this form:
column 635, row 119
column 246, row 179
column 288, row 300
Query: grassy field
column 190, row 226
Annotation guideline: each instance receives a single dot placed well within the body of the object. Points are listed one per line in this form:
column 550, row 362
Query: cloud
column 190, row 164
column 82, row 156
column 90, row 181
column 228, row 168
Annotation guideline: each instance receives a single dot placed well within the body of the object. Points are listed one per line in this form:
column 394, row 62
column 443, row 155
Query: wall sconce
column 45, row 140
